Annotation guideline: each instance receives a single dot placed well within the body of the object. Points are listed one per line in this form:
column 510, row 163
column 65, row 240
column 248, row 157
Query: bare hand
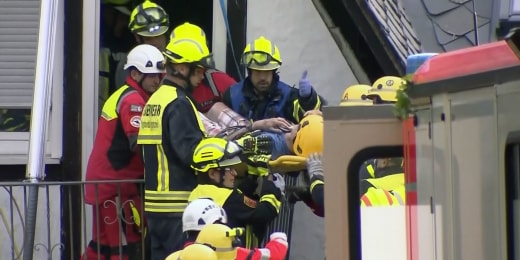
column 276, row 124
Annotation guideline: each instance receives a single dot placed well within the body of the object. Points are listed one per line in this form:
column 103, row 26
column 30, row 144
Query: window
column 19, row 24
column 379, row 199
column 515, row 6
column 513, row 200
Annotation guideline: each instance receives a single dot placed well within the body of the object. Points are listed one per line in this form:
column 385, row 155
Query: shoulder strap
column 208, row 75
column 124, row 94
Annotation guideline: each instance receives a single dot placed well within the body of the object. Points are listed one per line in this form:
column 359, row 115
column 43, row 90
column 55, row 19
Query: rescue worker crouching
column 115, row 157
column 262, row 95
column 215, row 82
column 225, row 242
column 170, row 130
column 214, row 160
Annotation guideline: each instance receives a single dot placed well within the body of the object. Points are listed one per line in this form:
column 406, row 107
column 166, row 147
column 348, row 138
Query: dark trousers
column 165, row 235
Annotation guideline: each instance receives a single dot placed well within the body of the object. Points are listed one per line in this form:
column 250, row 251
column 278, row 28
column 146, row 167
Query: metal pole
column 39, row 117
column 475, row 22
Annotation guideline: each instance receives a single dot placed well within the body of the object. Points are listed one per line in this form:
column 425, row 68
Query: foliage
column 403, row 106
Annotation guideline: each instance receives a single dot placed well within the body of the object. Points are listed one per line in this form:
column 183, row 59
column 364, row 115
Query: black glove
column 266, row 186
column 253, row 143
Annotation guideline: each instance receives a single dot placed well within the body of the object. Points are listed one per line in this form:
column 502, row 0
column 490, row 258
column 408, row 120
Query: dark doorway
column 199, row 12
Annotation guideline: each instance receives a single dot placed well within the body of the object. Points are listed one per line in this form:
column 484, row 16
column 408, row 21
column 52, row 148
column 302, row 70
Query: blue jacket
column 281, row 101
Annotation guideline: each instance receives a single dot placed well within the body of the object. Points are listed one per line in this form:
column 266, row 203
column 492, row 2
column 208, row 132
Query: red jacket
column 205, row 96
column 276, row 249
column 115, row 155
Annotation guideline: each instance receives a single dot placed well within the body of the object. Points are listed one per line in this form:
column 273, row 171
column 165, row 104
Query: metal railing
column 60, row 227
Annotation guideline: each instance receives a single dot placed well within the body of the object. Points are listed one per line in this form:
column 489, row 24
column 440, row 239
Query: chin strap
column 175, row 73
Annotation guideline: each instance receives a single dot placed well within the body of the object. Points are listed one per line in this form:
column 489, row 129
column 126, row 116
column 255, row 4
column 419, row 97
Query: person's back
column 170, row 130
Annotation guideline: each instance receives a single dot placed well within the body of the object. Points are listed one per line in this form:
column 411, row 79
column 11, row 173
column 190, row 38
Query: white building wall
column 305, row 43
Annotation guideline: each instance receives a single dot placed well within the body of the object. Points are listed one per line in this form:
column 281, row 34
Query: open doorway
column 199, row 12
column 116, row 40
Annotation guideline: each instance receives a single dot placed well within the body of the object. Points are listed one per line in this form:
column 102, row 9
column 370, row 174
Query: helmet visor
column 259, row 58
column 231, row 155
column 150, row 22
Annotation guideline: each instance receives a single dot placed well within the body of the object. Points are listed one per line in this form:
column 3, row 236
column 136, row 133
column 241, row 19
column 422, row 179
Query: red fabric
column 277, row 251
column 106, row 227
column 204, row 96
column 99, row 167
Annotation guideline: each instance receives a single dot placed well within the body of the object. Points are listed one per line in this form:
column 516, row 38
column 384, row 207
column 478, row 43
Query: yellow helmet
column 198, row 252
column 384, row 89
column 356, row 95
column 188, row 30
column 195, row 33
column 188, row 50
column 309, row 138
column 378, row 197
column 222, row 238
column 214, row 152
column 149, row 19
column 261, row 54
column 174, row 256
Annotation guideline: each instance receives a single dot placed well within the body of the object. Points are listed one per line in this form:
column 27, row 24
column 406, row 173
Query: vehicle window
column 512, row 171
column 382, row 212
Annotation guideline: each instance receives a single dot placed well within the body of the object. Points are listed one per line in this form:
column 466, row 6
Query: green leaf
column 403, row 106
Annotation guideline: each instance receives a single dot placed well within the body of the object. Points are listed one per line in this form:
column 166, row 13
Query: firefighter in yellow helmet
column 215, row 83
column 222, row 238
column 149, row 23
column 262, row 94
column 170, row 130
column 388, row 175
column 384, row 90
column 195, row 252
column 214, row 161
column 226, row 243
column 356, row 95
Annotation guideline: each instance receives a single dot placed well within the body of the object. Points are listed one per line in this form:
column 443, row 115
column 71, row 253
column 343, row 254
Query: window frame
column 14, row 146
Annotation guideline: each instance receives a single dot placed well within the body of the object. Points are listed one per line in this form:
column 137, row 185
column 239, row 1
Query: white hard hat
column 201, row 212
column 146, row 58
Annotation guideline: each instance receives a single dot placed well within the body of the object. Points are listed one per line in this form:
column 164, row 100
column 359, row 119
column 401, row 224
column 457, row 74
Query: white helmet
column 201, row 212
column 145, row 58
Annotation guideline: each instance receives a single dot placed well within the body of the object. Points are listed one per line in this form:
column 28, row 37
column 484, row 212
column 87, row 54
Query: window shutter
column 19, row 24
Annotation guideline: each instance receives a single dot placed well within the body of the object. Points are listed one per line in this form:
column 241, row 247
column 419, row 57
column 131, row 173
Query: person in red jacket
column 215, row 82
column 115, row 157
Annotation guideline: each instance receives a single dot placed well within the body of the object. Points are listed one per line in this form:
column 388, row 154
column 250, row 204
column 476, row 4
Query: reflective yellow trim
column 165, row 207
column 217, row 194
column 318, row 103
column 271, row 199
column 371, row 171
column 296, row 110
column 163, row 194
column 109, row 110
column 389, row 182
column 163, row 174
column 316, row 182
